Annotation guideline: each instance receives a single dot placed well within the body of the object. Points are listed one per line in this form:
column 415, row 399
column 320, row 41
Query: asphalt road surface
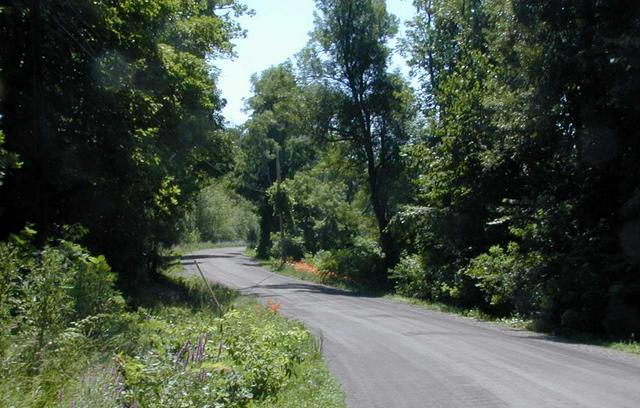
column 388, row 354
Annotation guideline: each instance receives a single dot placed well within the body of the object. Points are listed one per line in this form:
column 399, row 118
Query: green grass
column 513, row 322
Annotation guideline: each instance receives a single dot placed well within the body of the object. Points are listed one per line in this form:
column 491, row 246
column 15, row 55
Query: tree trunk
column 379, row 203
column 266, row 222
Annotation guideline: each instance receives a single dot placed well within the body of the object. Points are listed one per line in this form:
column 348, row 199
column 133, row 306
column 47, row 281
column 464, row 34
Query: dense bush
column 507, row 278
column 321, row 211
column 68, row 341
column 188, row 366
column 409, row 277
column 360, row 263
column 291, row 247
column 44, row 290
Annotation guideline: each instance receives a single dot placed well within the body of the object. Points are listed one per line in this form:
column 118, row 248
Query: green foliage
column 522, row 170
column 506, row 277
column 277, row 134
column 310, row 386
column 265, row 351
column 44, row 290
column 116, row 116
column 368, row 107
column 187, row 367
column 292, row 247
column 360, row 264
column 218, row 215
column 409, row 277
column 55, row 302
column 176, row 349
column 326, row 209
column 8, row 160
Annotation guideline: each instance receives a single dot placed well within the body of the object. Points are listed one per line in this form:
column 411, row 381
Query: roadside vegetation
column 69, row 339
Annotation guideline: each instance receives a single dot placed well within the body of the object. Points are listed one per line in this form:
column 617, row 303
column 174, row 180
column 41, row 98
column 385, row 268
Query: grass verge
column 519, row 323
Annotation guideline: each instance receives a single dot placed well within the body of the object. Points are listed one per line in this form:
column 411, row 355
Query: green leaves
column 128, row 125
column 8, row 160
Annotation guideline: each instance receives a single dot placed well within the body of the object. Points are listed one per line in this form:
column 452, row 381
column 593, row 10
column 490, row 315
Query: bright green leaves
column 188, row 78
column 276, row 139
column 505, row 276
column 167, row 197
column 8, row 160
column 44, row 290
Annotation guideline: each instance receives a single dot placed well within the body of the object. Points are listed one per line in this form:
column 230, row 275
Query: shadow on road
column 307, row 288
column 205, row 256
column 253, row 264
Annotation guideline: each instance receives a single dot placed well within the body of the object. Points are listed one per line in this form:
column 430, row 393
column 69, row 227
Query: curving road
column 388, row 354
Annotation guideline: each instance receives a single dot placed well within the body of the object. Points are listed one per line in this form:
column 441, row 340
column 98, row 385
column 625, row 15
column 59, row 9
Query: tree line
column 506, row 180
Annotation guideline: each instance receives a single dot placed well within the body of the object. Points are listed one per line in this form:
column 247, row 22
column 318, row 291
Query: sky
column 277, row 31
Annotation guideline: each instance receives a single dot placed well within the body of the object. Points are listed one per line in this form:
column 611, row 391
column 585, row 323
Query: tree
column 348, row 54
column 115, row 113
column 524, row 169
column 277, row 127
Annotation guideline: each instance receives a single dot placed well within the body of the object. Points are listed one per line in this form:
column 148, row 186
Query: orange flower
column 273, row 306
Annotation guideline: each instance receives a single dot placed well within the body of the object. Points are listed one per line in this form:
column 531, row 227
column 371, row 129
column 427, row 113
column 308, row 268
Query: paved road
column 388, row 354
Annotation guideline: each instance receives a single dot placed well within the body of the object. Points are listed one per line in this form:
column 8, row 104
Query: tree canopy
column 114, row 112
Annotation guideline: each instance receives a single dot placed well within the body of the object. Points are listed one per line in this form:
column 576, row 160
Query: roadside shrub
column 360, row 263
column 292, row 246
column 505, row 278
column 68, row 342
column 44, row 290
column 188, row 368
column 15, row 262
column 409, row 277
column 265, row 351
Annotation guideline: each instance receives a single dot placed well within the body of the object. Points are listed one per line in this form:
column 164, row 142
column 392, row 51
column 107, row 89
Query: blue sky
column 278, row 30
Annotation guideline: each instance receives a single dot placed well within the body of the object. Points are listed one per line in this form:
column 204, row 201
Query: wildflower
column 273, row 306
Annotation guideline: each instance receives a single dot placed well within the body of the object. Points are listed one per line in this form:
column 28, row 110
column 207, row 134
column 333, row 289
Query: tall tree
column 276, row 131
column 525, row 167
column 349, row 55
column 114, row 111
